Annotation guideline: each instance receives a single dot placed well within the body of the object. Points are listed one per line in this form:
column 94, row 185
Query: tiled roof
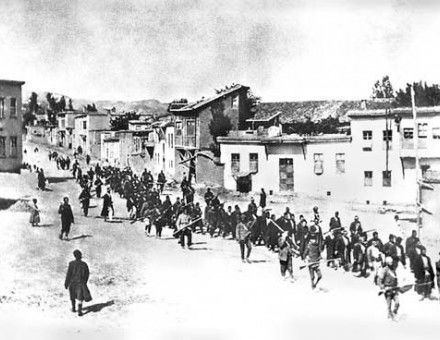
column 201, row 104
column 314, row 110
column 401, row 111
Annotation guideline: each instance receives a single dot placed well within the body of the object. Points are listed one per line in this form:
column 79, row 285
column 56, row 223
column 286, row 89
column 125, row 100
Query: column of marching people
column 353, row 248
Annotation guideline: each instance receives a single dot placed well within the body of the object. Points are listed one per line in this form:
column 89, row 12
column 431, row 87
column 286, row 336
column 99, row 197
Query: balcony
column 186, row 141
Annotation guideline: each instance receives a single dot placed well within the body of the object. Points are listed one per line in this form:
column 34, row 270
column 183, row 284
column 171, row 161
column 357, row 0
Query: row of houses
column 374, row 162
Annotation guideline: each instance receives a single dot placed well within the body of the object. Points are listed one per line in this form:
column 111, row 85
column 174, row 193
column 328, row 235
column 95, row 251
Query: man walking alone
column 76, row 281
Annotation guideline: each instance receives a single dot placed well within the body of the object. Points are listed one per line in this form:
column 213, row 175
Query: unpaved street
column 150, row 288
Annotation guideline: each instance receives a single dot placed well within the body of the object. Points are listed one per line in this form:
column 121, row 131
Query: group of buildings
column 374, row 163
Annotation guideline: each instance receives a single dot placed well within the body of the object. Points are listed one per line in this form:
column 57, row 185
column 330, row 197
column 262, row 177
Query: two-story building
column 65, row 128
column 192, row 133
column 87, row 132
column 11, row 121
column 384, row 151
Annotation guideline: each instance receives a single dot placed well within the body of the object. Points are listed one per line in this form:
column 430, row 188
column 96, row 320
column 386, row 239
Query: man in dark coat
column 335, row 221
column 424, row 274
column 262, row 198
column 41, row 180
column 67, row 219
column 410, row 248
column 84, row 198
column 161, row 180
column 76, row 281
column 107, row 204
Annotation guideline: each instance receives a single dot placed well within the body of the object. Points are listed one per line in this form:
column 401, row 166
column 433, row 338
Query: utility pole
column 416, row 154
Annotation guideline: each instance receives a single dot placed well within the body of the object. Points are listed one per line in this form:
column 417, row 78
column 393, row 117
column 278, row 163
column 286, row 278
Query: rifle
column 332, row 230
column 316, row 262
column 403, row 289
column 276, row 225
column 189, row 224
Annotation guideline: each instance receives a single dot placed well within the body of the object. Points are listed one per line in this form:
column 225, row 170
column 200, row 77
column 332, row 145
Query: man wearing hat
column 182, row 221
column 389, row 285
column 76, row 281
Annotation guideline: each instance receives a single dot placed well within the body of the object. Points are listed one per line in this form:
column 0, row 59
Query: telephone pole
column 417, row 161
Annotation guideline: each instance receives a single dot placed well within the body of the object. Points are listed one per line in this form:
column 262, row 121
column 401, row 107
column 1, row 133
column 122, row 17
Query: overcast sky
column 284, row 50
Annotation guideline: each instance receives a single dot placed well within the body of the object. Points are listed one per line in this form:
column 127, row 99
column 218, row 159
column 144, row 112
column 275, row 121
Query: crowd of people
column 353, row 248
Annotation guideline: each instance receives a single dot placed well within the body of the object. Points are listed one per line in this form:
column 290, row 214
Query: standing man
column 242, row 235
column 76, row 281
column 67, row 219
column 263, row 198
column 335, row 221
column 182, row 225
column 410, row 248
column 107, row 205
column 424, row 273
column 84, row 198
column 88, row 160
column 313, row 256
column 388, row 283
column 161, row 180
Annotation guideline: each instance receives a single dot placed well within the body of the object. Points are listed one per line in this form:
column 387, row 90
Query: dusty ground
column 149, row 288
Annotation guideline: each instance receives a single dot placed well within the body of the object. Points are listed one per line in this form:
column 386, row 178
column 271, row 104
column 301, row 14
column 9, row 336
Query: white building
column 376, row 164
column 383, row 174
column 88, row 130
column 313, row 165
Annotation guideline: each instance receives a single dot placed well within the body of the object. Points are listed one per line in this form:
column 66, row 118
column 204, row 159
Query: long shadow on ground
column 97, row 307
column 79, row 237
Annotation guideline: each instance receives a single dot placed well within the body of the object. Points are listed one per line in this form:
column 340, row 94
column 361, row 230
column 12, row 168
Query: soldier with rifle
column 182, row 224
column 389, row 285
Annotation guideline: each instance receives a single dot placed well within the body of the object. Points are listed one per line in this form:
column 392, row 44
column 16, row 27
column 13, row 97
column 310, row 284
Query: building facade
column 11, row 120
column 286, row 164
column 87, row 132
column 192, row 133
column 384, row 150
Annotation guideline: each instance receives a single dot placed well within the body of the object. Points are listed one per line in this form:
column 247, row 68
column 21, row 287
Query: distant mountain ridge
column 143, row 107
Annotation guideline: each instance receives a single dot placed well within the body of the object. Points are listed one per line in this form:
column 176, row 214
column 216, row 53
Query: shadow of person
column 97, row 307
column 47, row 225
column 79, row 237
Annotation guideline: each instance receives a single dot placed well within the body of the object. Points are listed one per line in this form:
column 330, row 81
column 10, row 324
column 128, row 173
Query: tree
column 70, row 105
column 383, row 89
column 91, row 108
column 425, row 95
column 121, row 122
column 219, row 126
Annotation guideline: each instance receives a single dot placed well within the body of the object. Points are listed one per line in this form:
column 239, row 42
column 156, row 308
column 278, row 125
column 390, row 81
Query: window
column 340, row 163
column 408, row 133
column 235, row 102
column 367, row 135
column 14, row 149
column 423, row 130
column 190, row 127
column 172, row 140
column 235, row 162
column 13, row 107
column 253, row 162
column 178, row 128
column 436, row 133
column 387, row 135
column 2, row 146
column 84, row 125
column 387, row 138
column 2, row 108
column 386, row 178
column 318, row 159
column 368, row 178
